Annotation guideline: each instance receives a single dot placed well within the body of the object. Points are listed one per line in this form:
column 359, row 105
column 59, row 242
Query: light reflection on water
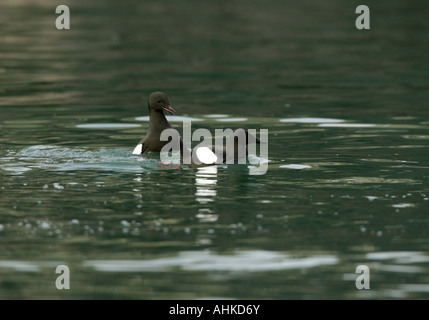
column 310, row 120
column 242, row 261
column 205, row 182
column 172, row 118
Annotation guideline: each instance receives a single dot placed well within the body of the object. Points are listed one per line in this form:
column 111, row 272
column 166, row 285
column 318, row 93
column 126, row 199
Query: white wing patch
column 138, row 149
column 206, row 156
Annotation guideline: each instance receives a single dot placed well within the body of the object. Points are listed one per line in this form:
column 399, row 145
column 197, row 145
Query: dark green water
column 347, row 182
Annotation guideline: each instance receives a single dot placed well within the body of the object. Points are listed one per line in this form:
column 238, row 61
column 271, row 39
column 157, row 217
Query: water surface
column 347, row 180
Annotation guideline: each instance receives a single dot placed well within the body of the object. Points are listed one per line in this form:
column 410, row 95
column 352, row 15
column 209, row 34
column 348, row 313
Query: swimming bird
column 157, row 103
column 204, row 156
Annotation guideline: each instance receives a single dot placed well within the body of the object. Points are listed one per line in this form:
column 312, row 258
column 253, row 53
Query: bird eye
column 159, row 101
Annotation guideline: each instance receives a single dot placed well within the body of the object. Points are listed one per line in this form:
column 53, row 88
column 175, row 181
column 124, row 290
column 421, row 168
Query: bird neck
column 157, row 120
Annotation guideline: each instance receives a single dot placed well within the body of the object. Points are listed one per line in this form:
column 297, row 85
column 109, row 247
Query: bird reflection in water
column 206, row 185
column 205, row 182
